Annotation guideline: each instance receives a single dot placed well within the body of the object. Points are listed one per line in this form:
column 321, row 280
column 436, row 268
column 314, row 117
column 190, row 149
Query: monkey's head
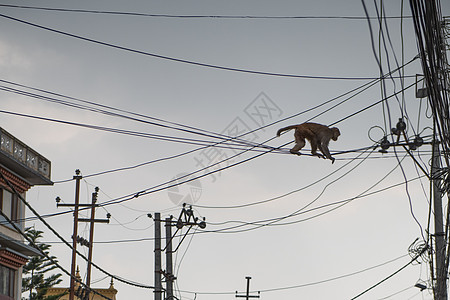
column 336, row 133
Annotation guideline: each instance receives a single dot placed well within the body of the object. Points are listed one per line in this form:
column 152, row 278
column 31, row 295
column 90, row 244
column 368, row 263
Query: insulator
column 401, row 125
column 384, row 145
column 202, row 224
column 179, row 224
column 418, row 141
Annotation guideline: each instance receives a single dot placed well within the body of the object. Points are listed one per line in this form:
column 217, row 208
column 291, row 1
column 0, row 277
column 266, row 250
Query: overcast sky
column 194, row 72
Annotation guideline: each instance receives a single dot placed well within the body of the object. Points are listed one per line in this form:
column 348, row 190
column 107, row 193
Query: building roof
column 109, row 293
column 26, row 162
column 19, row 246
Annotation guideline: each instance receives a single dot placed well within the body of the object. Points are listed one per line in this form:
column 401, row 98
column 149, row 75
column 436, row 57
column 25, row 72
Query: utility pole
column 186, row 218
column 76, row 238
column 158, row 271
column 92, row 221
column 440, row 288
column 77, row 178
column 170, row 278
column 247, row 294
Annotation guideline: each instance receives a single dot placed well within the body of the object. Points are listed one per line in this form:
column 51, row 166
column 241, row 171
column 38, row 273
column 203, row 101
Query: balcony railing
column 12, row 149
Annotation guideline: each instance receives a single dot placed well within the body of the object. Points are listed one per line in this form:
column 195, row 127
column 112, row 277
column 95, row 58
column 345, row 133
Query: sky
column 300, row 226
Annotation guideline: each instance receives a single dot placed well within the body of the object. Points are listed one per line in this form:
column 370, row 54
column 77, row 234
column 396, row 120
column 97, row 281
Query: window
column 7, row 280
column 9, row 204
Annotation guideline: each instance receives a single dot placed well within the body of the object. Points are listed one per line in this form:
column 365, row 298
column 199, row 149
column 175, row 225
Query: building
column 109, row 293
column 22, row 167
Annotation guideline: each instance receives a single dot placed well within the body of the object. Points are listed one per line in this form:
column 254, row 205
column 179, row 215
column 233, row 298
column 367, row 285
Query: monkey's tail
column 286, row 129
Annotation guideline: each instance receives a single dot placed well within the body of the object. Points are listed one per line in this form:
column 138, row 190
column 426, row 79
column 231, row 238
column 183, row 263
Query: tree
column 34, row 282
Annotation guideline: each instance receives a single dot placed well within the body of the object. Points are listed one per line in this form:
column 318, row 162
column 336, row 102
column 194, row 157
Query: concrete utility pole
column 158, row 271
column 440, row 289
column 186, row 218
column 169, row 267
column 247, row 295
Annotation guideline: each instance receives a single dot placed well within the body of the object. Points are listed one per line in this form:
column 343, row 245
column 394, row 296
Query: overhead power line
column 36, row 247
column 393, row 274
column 243, row 223
column 115, row 112
column 64, row 241
column 196, row 142
column 304, row 284
column 138, row 14
column 179, row 60
column 187, row 178
column 100, row 108
column 363, row 87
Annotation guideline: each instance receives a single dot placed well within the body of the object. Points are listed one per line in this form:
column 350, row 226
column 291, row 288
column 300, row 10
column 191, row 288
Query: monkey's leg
column 299, row 145
column 314, row 146
column 326, row 152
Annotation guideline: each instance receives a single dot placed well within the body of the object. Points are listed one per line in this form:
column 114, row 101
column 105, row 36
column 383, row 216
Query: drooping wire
column 297, row 286
column 139, row 14
column 32, row 243
column 63, row 240
column 179, row 60
column 116, row 112
column 260, row 221
column 283, row 195
column 391, row 275
column 363, row 87
column 263, row 223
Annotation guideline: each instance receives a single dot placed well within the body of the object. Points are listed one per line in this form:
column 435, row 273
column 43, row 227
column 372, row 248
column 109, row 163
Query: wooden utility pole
column 75, row 237
column 247, row 294
column 440, row 288
column 92, row 221
column 77, row 178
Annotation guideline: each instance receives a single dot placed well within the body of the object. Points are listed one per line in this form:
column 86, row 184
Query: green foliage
column 35, row 283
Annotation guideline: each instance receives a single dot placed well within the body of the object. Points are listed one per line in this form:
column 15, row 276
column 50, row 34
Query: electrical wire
column 115, row 112
column 390, row 276
column 64, row 241
column 264, row 223
column 372, row 105
column 188, row 16
column 297, row 286
column 258, row 222
column 363, row 87
column 158, row 187
column 171, row 184
column 396, row 293
column 283, row 195
column 195, row 142
column 33, row 244
column 184, row 253
column 340, row 203
column 179, row 60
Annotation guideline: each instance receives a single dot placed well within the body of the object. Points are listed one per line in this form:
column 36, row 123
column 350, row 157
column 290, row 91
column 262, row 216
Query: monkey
column 318, row 136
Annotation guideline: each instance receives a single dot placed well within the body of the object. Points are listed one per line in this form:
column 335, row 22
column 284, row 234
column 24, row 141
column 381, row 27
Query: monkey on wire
column 318, row 135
